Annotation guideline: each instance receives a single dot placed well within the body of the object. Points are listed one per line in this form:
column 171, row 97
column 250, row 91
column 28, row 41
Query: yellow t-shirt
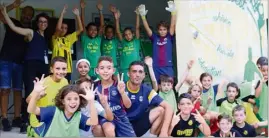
column 62, row 47
column 48, row 100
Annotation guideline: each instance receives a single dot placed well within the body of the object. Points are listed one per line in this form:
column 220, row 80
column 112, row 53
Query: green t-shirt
column 170, row 98
column 91, row 48
column 110, row 48
column 130, row 52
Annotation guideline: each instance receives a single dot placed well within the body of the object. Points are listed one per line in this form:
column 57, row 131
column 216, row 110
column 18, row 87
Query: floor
column 14, row 133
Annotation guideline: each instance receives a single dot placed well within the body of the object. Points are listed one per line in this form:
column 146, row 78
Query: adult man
column 142, row 115
column 11, row 58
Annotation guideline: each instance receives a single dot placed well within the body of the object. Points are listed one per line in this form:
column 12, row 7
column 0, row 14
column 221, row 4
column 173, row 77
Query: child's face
column 71, row 102
column 239, row 116
column 264, row 70
column 231, row 93
column 185, row 106
column 85, row 84
column 64, row 29
column 59, row 70
column 83, row 68
column 105, row 70
column 195, row 92
column 225, row 126
column 162, row 31
column 166, row 86
column 206, row 82
column 109, row 33
column 128, row 35
column 92, row 31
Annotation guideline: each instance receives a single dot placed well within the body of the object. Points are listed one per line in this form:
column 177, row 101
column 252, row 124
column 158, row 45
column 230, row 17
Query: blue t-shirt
column 237, row 134
column 37, row 48
column 141, row 100
column 162, row 50
column 114, row 99
column 246, row 131
column 46, row 116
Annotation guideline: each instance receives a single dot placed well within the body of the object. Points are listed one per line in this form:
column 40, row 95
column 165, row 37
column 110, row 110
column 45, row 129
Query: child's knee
column 109, row 129
column 97, row 131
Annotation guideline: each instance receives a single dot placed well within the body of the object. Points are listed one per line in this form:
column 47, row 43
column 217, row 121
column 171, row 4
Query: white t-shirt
column 86, row 111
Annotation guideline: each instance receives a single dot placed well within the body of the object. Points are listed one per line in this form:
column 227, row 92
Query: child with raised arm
column 130, row 43
column 162, row 42
column 62, row 42
column 117, row 99
column 91, row 39
column 64, row 119
column 103, row 109
column 54, row 83
column 166, row 83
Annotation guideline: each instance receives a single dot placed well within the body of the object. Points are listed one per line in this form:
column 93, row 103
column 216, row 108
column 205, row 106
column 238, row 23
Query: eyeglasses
column 43, row 22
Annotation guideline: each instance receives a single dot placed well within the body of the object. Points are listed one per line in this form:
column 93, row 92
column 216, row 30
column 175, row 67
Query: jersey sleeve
column 220, row 101
column 83, row 123
column 153, row 37
column 154, row 99
column 47, row 113
column 252, row 132
column 72, row 38
column 215, row 88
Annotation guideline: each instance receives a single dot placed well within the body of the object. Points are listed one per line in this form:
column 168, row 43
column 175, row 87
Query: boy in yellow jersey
column 53, row 84
column 62, row 42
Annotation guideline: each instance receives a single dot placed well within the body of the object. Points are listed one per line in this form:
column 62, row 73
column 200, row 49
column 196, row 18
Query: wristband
column 101, row 11
column 173, row 13
column 143, row 17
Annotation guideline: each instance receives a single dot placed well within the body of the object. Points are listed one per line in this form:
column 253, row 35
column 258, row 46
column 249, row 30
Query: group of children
column 98, row 108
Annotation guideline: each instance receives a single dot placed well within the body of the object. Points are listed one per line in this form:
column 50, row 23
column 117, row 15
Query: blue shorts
column 141, row 125
column 11, row 75
column 123, row 128
column 158, row 71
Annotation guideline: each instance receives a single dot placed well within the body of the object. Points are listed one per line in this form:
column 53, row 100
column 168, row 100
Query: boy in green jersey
column 91, row 39
column 130, row 44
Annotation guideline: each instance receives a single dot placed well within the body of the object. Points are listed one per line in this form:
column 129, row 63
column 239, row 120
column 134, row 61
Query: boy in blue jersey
column 117, row 99
column 143, row 99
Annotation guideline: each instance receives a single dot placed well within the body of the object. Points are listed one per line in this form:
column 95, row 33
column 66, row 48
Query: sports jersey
column 109, row 47
column 246, row 131
column 91, row 48
column 57, row 125
column 62, row 47
column 226, row 106
column 170, row 98
column 211, row 92
column 114, row 99
column 130, row 52
column 185, row 128
column 162, row 46
column 262, row 101
column 49, row 99
column 237, row 134
column 141, row 100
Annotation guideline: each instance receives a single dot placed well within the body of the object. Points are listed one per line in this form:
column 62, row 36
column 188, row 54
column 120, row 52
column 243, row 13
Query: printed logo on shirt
column 114, row 93
column 133, row 97
column 115, row 108
column 162, row 43
column 245, row 132
column 141, row 98
column 186, row 132
column 190, row 123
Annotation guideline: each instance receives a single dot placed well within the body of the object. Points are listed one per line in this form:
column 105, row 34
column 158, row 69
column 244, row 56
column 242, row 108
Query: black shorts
column 141, row 125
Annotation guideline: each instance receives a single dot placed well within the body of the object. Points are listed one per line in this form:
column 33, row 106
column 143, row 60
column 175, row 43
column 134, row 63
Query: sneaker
column 17, row 122
column 23, row 128
column 6, row 125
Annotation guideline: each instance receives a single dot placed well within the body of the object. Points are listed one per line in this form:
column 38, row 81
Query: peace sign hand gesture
column 232, row 134
column 121, row 84
column 89, row 96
